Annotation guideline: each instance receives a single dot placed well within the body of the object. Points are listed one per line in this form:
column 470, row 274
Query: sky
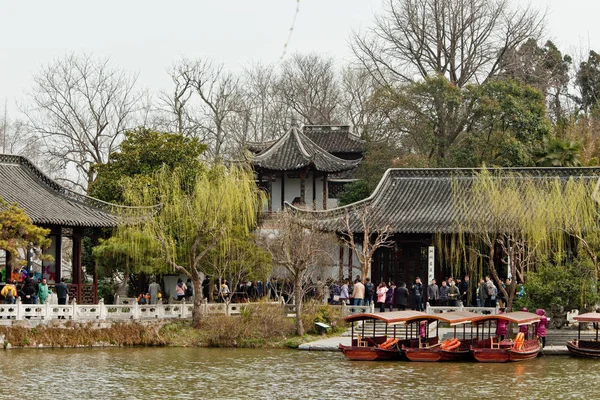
column 146, row 37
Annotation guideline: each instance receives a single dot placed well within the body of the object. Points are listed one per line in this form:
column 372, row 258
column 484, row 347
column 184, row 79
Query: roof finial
column 294, row 121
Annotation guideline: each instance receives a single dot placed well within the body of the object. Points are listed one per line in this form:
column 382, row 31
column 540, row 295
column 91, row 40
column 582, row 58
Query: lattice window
column 335, row 188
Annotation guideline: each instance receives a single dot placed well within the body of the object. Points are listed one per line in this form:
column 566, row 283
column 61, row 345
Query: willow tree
column 198, row 215
column 531, row 217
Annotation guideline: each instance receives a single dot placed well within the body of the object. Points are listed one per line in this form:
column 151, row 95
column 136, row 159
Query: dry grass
column 262, row 325
column 77, row 335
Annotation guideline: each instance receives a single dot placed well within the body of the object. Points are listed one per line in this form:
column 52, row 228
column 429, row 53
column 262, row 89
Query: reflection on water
column 186, row 373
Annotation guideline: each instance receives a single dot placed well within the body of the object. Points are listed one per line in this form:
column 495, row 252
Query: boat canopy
column 457, row 317
column 518, row 317
column 588, row 317
column 390, row 318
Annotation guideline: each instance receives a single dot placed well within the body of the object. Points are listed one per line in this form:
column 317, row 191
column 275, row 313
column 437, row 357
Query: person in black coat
column 401, row 295
column 28, row 292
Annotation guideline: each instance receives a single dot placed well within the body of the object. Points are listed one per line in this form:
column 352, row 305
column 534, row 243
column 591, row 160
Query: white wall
column 292, row 190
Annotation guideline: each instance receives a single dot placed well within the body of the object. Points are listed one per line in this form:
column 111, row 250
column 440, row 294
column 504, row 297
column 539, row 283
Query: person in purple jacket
column 524, row 328
column 541, row 327
column 501, row 326
column 389, row 296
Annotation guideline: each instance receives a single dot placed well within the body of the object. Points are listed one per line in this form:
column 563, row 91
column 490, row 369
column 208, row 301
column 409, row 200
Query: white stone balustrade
column 114, row 312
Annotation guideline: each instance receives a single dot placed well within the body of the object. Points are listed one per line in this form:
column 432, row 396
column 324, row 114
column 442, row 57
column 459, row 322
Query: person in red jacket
column 541, row 327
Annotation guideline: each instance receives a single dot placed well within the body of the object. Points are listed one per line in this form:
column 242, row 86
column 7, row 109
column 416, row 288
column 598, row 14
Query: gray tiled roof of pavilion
column 332, row 138
column 421, row 200
column 48, row 203
column 294, row 151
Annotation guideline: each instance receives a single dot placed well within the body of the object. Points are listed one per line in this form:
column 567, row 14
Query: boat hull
column 430, row 354
column 462, row 353
column 579, row 349
column 531, row 349
column 360, row 353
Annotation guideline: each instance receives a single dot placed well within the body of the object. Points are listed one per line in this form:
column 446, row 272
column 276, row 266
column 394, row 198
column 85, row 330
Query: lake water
column 193, row 373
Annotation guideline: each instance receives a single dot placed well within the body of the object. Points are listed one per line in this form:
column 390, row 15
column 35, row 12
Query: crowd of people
column 389, row 296
column 33, row 291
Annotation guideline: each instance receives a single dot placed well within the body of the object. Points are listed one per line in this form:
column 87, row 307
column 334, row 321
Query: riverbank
column 263, row 326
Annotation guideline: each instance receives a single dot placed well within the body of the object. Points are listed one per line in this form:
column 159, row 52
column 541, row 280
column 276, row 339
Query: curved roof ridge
column 296, row 150
column 415, row 200
column 297, row 134
column 27, row 192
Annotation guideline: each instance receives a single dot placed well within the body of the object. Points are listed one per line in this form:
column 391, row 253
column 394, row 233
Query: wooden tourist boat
column 370, row 345
column 585, row 348
column 493, row 350
column 451, row 350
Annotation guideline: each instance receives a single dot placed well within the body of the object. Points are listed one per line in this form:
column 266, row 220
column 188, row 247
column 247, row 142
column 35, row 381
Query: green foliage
column 354, row 192
column 566, row 284
column 243, row 260
column 17, row 232
column 560, row 153
column 507, row 127
column 588, row 79
column 106, row 290
column 378, row 157
column 143, row 152
column 210, row 211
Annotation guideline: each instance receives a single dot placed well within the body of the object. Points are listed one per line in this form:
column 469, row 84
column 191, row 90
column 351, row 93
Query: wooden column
column 95, row 237
column 76, row 261
column 349, row 263
column 324, row 190
column 341, row 268
column 8, row 267
column 282, row 188
column 314, row 190
column 270, row 190
column 302, row 187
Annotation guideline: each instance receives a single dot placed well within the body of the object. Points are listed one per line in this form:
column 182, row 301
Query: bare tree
column 308, row 85
column 463, row 40
column 176, row 112
column 299, row 248
column 264, row 115
column 424, row 52
column 358, row 87
column 363, row 234
column 81, row 108
column 207, row 97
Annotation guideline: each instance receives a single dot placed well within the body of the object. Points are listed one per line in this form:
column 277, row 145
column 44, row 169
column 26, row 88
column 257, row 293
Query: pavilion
column 63, row 211
column 308, row 166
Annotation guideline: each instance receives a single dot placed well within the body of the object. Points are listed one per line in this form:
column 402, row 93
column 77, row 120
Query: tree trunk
column 197, row 312
column 298, row 295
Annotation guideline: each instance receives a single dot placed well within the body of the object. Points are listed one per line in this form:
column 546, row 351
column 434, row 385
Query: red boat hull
column 462, row 353
column 426, row 354
column 584, row 348
column 360, row 353
column 530, row 350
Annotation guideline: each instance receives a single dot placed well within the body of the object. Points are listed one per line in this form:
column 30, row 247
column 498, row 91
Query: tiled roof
column 334, row 138
column 294, row 150
column 421, row 200
column 47, row 202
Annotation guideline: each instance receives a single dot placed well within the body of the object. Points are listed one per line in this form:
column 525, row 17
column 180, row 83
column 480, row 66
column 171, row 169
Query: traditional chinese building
column 65, row 212
column 418, row 206
column 307, row 167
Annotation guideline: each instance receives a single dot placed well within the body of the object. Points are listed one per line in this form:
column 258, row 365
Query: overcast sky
column 147, row 36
